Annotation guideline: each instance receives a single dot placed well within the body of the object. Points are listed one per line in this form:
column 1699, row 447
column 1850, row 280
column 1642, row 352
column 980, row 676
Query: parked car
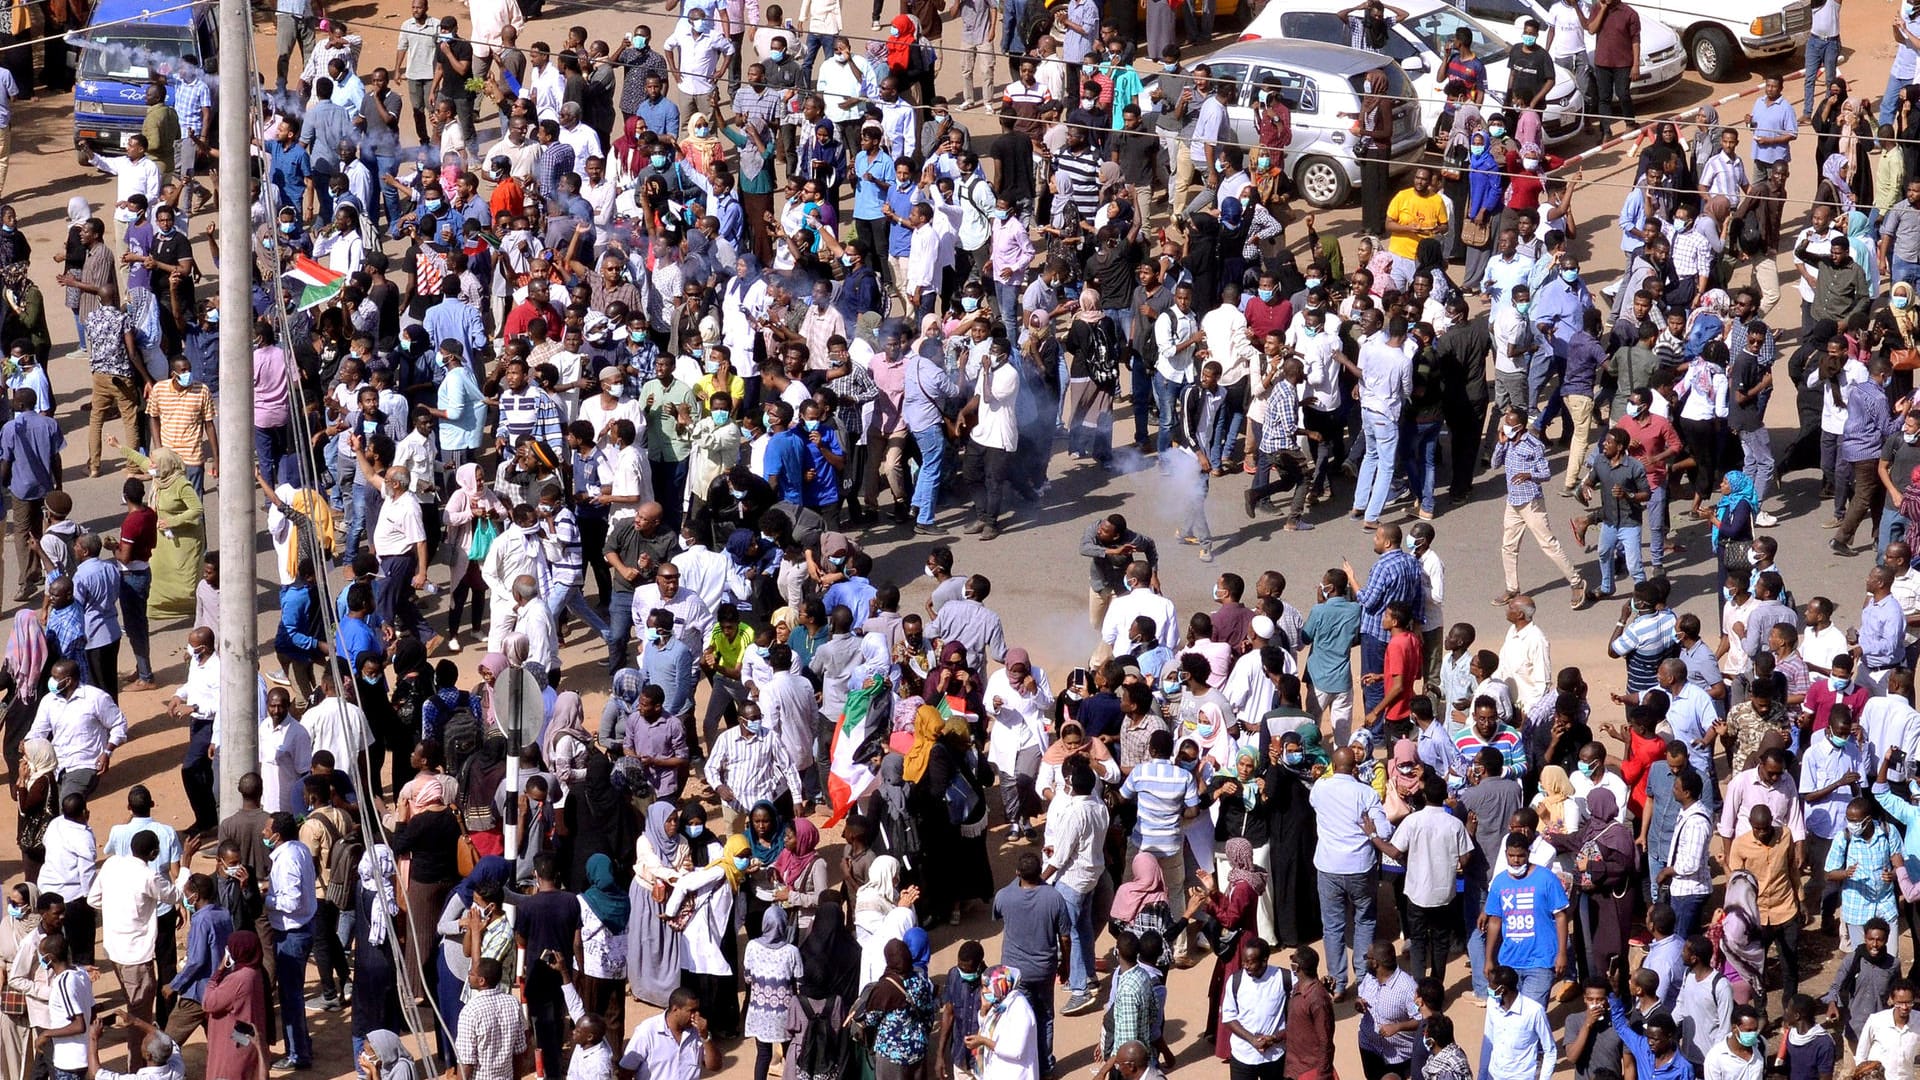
column 1321, row 84
column 123, row 45
column 1419, row 42
column 1662, row 60
column 1721, row 35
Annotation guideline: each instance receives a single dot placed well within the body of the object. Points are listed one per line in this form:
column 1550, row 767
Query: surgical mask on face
column 1751, row 1039
column 754, row 727
column 999, row 214
column 53, row 686
column 15, row 911
column 1263, row 162
column 1266, row 296
column 970, row 303
column 1511, row 431
column 1522, row 306
column 893, row 31
column 700, row 131
column 183, row 377
column 1205, row 731
column 1496, row 130
column 694, row 830
column 656, row 635
column 1838, row 742
column 1586, row 768
column 1636, row 410
column 370, row 680
column 268, row 842
column 1528, row 40
column 928, row 570
column 1292, row 757
column 720, row 417
column 740, row 862
column 1839, row 684
column 658, row 161
column 1530, row 163
column 763, row 651
column 811, row 425
column 289, row 227
column 618, row 390
column 1854, row 828
column 776, row 55
column 1569, row 276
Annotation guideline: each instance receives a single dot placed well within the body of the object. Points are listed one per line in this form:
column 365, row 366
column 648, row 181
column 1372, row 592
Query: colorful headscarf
column 793, row 864
column 1739, row 490
column 1239, row 853
column 998, row 988
column 26, row 653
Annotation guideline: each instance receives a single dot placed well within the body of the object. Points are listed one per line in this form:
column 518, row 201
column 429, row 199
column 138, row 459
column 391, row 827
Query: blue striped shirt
column 190, row 99
column 563, row 549
column 1645, row 642
column 1526, row 463
column 1395, row 576
column 1162, row 789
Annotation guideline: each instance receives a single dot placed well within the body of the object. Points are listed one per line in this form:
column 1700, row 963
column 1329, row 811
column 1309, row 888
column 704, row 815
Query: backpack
column 1104, row 358
column 343, row 863
column 460, row 737
column 1753, row 234
column 477, row 789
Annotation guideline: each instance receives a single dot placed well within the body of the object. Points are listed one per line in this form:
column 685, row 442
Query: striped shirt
column 1526, row 463
column 556, row 160
column 1163, row 790
column 1644, row 642
column 532, row 413
column 185, row 415
column 1513, row 754
column 561, row 539
column 1692, row 255
column 1080, row 177
column 754, row 768
column 1283, row 418
column 1395, row 575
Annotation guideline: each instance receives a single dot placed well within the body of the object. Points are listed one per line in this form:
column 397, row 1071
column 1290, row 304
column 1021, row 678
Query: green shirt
column 752, row 180
column 666, row 439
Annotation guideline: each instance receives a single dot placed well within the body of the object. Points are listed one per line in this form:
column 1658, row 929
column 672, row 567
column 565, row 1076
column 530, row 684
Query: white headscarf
column 78, row 211
column 876, row 660
column 377, row 871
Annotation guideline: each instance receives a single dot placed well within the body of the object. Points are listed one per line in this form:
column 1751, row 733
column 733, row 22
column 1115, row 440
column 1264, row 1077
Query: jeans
column 1613, row 537
column 1686, row 913
column 1536, row 983
column 1425, row 461
column 1616, row 96
column 1903, row 270
column 1893, row 526
column 1039, row 991
column 1376, row 468
column 816, row 43
column 1473, row 901
column 1373, row 661
column 290, row 951
column 619, row 628
column 1821, row 52
column 273, row 450
column 1344, row 896
column 1010, row 43
column 1655, row 523
column 570, row 598
column 1756, row 452
column 933, row 456
column 1080, row 910
column 1006, row 300
column 1166, row 394
column 135, row 586
column 388, row 204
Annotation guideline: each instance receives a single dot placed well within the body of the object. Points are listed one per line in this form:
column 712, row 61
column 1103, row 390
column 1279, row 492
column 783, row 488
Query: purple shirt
column 270, row 384
column 666, row 738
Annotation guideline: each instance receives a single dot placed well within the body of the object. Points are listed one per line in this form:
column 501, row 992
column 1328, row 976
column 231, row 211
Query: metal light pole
column 238, row 632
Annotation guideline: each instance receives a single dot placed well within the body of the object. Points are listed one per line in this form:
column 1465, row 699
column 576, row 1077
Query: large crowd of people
column 575, row 337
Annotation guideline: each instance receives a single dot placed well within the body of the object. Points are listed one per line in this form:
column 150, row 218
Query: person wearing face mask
column 749, row 764
column 1859, row 865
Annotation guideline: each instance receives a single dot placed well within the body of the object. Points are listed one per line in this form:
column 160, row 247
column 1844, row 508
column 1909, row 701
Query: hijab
column 391, row 1052
column 767, row 851
column 667, row 848
column 1315, row 753
column 1556, row 791
column 377, row 871
column 1603, row 827
column 1147, row 886
column 920, row 947
column 928, row 725
column 1407, row 752
column 1739, row 490
column 78, row 211
column 773, row 927
column 1239, row 853
column 493, row 869
column 998, row 989
column 735, row 848
column 878, row 896
column 829, row 957
column 604, row 895
column 893, row 786
column 41, row 760
column 1058, row 751
column 906, row 34
column 567, row 719
column 792, row 865
column 26, row 652
column 1910, row 495
column 627, row 152
column 1907, row 320
column 876, row 661
column 1832, row 170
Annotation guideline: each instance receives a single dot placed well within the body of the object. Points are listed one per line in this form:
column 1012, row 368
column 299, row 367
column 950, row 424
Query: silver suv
column 1321, row 85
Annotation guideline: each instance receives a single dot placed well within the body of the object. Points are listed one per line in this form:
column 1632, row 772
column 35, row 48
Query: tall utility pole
column 238, row 630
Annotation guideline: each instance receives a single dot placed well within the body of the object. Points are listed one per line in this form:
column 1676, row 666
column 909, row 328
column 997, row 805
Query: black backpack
column 459, row 738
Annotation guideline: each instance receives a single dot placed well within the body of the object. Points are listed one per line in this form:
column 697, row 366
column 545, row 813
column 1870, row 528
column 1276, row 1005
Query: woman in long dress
column 1296, row 901
column 1008, row 1045
column 829, row 978
column 800, row 875
column 1603, row 864
column 376, row 993
column 773, row 969
column 709, row 898
column 606, row 917
column 653, row 947
column 182, row 542
column 1236, row 907
column 237, row 994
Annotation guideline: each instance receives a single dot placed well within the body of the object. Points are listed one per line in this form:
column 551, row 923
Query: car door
column 1302, row 97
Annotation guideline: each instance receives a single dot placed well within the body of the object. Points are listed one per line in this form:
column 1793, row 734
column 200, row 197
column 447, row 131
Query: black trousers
column 593, row 541
column 987, row 473
column 166, row 958
column 1784, row 936
column 198, row 778
column 1430, row 934
column 1268, row 1070
column 328, row 954
column 1465, row 428
column 103, row 665
column 1373, row 192
column 1374, row 1067
column 1616, row 95
column 81, row 924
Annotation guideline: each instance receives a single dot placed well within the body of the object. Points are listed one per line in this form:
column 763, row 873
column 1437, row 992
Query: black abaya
column 1296, row 895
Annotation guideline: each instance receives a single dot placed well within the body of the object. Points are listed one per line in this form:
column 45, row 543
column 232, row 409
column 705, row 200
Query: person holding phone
column 237, row 1009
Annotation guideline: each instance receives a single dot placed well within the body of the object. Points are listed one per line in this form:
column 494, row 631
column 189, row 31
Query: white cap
column 1263, row 627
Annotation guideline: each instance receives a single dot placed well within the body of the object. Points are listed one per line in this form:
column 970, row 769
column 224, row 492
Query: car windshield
column 1399, row 87
column 1436, row 28
column 128, row 53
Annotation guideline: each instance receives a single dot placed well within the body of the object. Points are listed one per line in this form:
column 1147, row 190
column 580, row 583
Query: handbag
column 1736, row 556
column 1475, row 234
column 661, row 891
column 1907, row 357
column 13, row 1003
column 485, row 532
column 465, row 856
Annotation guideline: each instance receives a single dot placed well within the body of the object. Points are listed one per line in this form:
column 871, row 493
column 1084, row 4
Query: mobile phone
column 109, row 1020
column 1896, row 756
column 548, row 956
column 242, row 1034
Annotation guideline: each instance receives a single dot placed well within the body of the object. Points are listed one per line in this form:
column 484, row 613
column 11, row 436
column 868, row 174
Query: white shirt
column 70, row 864
column 1127, row 607
column 692, row 617
column 1819, row 647
column 1386, row 379
column 547, row 89
column 128, row 893
column 707, row 574
column 1260, row 1006
column 699, row 56
column 82, row 726
column 338, row 727
column 1320, row 357
column 1207, row 127
column 70, row 995
column 286, row 755
column 1527, row 662
column 1522, row 1043
column 1724, row 1064
column 586, row 144
column 1888, row 721
column 999, row 390
column 1514, row 340
column 201, row 690
column 1019, row 722
column 289, row 893
column 1173, row 327
column 1894, row 1047
column 1569, row 33
column 543, row 643
column 399, row 528
column 132, row 177
column 630, row 477
column 1226, row 330
column 923, row 258
column 1433, row 575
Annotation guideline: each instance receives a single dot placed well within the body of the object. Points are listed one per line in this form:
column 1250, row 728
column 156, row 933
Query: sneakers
column 1765, row 520
column 1079, row 1003
column 453, row 643
column 288, row 1064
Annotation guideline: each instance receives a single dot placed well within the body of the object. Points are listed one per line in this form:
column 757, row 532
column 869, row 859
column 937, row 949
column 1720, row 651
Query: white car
column 1662, row 60
column 1418, row 42
column 1322, row 86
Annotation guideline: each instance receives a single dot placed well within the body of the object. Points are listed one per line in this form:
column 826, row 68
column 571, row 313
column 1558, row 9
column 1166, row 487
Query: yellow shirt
column 728, row 652
column 1410, row 207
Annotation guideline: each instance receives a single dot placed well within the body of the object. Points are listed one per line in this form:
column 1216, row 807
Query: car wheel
column 1713, row 54
column 1322, row 182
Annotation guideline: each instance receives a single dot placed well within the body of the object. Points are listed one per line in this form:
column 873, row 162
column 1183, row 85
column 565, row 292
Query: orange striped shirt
column 185, row 418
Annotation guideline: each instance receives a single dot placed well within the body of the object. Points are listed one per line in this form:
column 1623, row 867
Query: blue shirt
column 873, row 179
column 290, row 168
column 1772, row 119
column 327, row 124
column 1869, row 424
column 856, row 593
column 1882, row 633
column 453, row 318
column 1526, row 907
column 460, row 398
column 1689, row 717
column 96, row 590
column 824, row 489
column 661, row 117
column 299, row 630
column 1645, row 1067
column 786, row 466
column 900, row 240
column 670, row 667
column 28, row 444
column 206, row 943
column 1161, row 790
column 354, row 640
column 1633, row 215
column 1332, row 628
column 1395, row 576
